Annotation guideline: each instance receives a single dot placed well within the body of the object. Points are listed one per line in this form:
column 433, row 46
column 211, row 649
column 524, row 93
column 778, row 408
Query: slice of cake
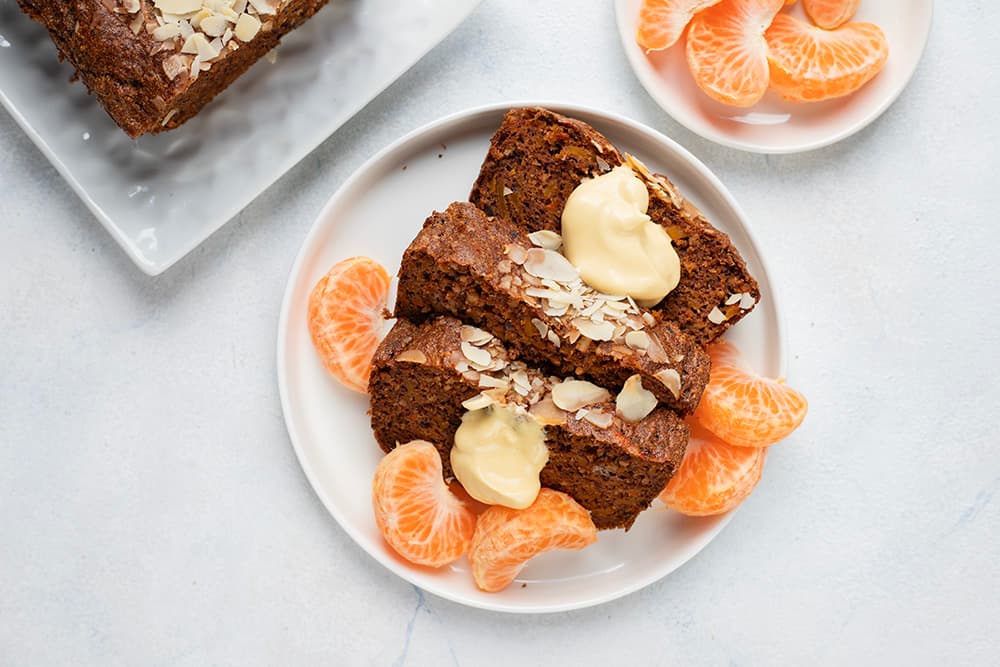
column 535, row 161
column 425, row 377
column 489, row 272
column 153, row 64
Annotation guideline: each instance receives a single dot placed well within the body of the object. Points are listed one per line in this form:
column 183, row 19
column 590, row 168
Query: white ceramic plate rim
column 388, row 154
column 296, row 155
column 647, row 78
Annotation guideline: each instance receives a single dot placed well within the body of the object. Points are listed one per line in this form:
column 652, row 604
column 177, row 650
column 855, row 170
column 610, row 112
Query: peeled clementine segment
column 346, row 318
column 829, row 14
column 809, row 64
column 713, row 477
column 505, row 539
column 415, row 510
column 662, row 22
column 743, row 408
column 726, row 50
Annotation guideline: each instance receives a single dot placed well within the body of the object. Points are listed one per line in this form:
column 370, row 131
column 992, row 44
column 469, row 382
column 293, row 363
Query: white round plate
column 774, row 125
column 377, row 212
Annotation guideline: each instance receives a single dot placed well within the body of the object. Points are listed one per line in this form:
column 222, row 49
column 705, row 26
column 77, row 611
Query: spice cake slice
column 535, row 161
column 489, row 272
column 425, row 377
column 153, row 64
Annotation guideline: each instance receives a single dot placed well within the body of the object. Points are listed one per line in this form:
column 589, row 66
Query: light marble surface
column 152, row 511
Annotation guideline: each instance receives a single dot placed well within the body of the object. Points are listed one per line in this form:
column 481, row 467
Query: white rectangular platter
column 160, row 196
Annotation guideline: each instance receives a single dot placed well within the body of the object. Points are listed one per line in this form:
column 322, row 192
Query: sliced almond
column 554, row 338
column 747, row 301
column 571, row 395
column 475, row 335
column 520, row 379
column 545, row 238
column 490, row 382
column 637, row 340
column 547, row 413
column 543, row 263
column 166, row 31
column 670, row 379
column 246, row 28
column 412, row 356
column 264, row 6
column 177, row 6
column 516, row 253
column 634, row 403
column 540, row 326
column 477, row 356
column 594, row 330
column 716, row 316
column 477, row 402
column 655, row 351
column 599, row 418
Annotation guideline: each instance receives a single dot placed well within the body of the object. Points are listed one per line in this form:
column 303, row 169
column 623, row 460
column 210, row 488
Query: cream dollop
column 617, row 248
column 498, row 456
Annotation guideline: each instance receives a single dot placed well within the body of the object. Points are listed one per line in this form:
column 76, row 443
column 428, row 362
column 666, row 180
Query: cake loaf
column 488, row 272
column 535, row 161
column 153, row 64
column 423, row 373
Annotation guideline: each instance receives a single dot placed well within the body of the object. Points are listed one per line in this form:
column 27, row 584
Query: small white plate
column 161, row 196
column 774, row 125
column 377, row 212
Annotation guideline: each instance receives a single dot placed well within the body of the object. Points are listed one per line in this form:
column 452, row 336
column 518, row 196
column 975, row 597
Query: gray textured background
column 152, row 511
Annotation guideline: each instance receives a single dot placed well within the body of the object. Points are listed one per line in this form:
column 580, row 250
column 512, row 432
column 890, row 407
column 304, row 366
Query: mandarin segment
column 346, row 318
column 662, row 22
column 714, row 477
column 726, row 51
column 415, row 511
column 829, row 14
column 743, row 408
column 505, row 539
column 809, row 64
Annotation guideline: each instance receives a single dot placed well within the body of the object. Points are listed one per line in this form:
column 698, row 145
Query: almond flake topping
column 634, row 403
column 412, row 356
column 475, row 335
column 476, row 356
column 599, row 418
column 547, row 413
column 547, row 239
column 540, row 326
column 477, row 402
column 571, row 395
column 670, row 379
column 543, row 263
